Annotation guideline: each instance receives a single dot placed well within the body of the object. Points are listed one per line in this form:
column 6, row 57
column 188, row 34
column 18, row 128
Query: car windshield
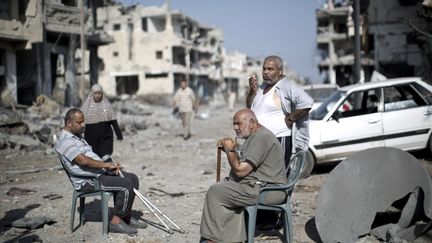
column 320, row 112
column 320, row 94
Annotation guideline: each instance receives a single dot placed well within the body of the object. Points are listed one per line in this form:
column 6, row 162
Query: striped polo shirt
column 68, row 147
column 185, row 98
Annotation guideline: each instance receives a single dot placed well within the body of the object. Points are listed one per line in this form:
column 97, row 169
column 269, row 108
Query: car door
column 355, row 125
column 407, row 117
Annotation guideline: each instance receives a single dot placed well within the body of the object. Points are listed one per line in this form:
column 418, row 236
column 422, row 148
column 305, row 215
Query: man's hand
column 227, row 144
column 253, row 83
column 253, row 88
column 288, row 121
column 115, row 166
column 291, row 118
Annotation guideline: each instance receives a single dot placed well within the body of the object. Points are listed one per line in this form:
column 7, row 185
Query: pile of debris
column 35, row 127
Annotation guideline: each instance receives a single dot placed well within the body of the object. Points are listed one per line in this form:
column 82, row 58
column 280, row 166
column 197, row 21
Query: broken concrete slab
column 19, row 172
column 52, row 196
column 33, row 223
column 8, row 117
column 15, row 191
column 44, row 107
column 23, row 141
column 364, row 184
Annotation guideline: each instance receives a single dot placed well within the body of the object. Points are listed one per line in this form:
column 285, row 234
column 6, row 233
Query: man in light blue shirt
column 75, row 153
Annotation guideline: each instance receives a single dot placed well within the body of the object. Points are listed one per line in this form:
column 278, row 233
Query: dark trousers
column 122, row 188
column 287, row 147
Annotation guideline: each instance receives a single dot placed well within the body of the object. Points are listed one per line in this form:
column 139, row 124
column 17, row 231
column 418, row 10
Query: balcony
column 62, row 19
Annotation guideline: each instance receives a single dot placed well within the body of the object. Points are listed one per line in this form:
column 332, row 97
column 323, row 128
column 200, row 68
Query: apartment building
column 235, row 73
column 335, row 33
column 155, row 47
column 40, row 49
column 20, row 28
column 399, row 37
column 395, row 39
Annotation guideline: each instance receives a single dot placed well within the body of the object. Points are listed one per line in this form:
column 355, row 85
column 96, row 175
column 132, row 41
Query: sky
column 260, row 28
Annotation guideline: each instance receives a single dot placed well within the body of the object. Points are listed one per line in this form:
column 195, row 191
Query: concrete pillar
column 168, row 22
column 46, row 88
column 94, row 69
column 11, row 77
column 72, row 88
column 14, row 14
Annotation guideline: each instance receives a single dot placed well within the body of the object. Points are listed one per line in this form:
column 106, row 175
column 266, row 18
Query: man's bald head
column 245, row 123
column 247, row 114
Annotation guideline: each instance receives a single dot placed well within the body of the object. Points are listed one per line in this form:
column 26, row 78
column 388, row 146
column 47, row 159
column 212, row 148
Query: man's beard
column 80, row 134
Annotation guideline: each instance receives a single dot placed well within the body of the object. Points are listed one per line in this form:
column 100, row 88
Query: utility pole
column 357, row 51
column 83, row 47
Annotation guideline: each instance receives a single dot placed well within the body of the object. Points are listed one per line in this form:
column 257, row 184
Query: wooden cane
column 218, row 163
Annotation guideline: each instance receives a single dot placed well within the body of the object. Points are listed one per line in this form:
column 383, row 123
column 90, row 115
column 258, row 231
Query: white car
column 391, row 113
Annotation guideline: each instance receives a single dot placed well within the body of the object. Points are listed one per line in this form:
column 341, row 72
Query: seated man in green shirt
column 257, row 162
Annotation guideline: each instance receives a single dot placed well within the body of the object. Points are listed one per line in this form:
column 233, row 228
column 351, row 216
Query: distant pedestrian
column 100, row 122
column 232, row 96
column 185, row 100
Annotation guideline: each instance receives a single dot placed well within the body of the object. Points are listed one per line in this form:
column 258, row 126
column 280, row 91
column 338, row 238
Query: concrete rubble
column 33, row 222
column 35, row 127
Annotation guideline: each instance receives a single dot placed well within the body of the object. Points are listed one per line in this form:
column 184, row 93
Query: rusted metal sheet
column 364, row 184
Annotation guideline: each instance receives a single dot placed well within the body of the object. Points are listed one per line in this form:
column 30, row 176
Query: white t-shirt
column 269, row 114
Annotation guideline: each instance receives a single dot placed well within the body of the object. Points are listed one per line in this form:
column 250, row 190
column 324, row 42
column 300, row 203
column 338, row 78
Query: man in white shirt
column 283, row 108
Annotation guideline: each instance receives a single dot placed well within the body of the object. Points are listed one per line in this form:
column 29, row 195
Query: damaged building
column 155, row 47
column 395, row 39
column 40, row 50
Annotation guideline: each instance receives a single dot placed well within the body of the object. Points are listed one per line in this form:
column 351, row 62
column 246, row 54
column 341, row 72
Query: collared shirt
column 264, row 151
column 295, row 98
column 184, row 99
column 68, row 147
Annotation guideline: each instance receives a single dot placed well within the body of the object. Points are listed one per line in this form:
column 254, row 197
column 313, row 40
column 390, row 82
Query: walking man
column 185, row 100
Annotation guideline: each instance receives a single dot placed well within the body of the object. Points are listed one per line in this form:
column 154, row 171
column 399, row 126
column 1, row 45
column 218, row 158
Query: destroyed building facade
column 40, row 49
column 155, row 48
column 395, row 39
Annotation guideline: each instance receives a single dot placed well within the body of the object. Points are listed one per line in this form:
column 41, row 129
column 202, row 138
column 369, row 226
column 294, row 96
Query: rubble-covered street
column 174, row 174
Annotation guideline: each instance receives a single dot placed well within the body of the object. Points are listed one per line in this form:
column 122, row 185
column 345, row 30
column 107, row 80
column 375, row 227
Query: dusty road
column 174, row 175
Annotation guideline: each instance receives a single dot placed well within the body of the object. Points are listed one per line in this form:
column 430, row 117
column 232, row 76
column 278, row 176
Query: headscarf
column 97, row 112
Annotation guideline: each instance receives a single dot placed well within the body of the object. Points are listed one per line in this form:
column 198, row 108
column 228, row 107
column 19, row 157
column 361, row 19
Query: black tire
column 309, row 165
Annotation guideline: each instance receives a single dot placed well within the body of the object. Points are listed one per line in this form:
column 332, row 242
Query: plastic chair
column 82, row 195
column 293, row 176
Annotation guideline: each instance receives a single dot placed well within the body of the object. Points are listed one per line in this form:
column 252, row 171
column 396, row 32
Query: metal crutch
column 152, row 208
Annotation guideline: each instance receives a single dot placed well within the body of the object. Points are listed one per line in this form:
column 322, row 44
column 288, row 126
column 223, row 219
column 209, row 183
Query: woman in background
column 99, row 116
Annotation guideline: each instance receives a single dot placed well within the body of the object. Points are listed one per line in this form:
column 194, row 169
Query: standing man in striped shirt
column 185, row 100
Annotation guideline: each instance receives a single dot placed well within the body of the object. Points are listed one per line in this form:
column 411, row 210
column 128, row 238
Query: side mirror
column 336, row 116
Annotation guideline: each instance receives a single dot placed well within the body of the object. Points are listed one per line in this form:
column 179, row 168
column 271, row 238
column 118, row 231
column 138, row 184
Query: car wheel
column 308, row 165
